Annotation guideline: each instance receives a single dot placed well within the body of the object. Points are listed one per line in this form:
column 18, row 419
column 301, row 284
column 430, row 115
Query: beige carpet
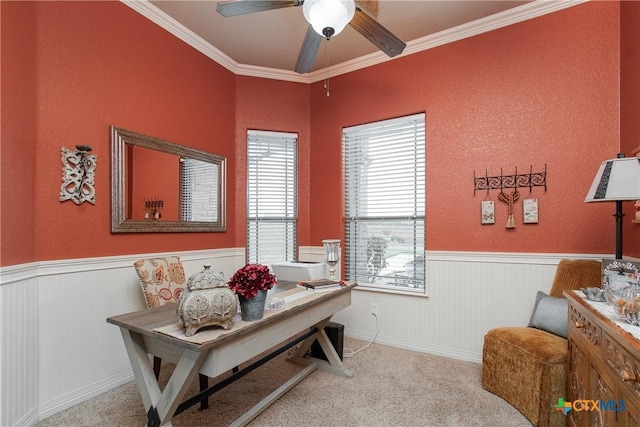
column 390, row 387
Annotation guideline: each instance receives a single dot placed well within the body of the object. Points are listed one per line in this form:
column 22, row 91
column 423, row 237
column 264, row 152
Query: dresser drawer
column 623, row 366
column 584, row 326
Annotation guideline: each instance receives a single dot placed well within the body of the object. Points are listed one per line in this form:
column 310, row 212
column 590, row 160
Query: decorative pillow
column 550, row 314
column 162, row 279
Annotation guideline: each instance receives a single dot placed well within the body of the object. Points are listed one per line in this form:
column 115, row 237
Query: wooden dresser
column 603, row 366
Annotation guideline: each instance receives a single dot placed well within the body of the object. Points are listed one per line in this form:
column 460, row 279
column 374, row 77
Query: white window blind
column 384, row 166
column 199, row 190
column 272, row 196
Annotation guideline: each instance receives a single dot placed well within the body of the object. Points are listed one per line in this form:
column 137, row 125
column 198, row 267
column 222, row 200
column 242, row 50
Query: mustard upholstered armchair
column 527, row 366
column 162, row 281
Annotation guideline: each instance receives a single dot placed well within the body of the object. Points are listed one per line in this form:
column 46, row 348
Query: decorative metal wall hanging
column 515, row 181
column 78, row 173
column 531, row 179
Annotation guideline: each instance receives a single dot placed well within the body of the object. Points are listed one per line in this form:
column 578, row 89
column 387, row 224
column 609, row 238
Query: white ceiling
column 267, row 44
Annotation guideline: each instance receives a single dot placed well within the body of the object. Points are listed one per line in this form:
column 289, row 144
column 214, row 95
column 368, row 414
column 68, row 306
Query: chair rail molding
column 16, row 273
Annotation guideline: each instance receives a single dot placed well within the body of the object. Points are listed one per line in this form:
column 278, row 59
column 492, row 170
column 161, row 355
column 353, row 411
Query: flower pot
column 253, row 308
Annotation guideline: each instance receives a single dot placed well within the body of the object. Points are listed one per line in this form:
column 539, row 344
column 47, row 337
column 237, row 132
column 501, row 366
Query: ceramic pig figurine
column 206, row 301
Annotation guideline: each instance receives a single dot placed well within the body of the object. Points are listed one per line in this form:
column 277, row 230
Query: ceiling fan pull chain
column 326, row 65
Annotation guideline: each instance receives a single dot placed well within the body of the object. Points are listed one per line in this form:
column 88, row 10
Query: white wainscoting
column 57, row 349
column 19, row 347
column 468, row 294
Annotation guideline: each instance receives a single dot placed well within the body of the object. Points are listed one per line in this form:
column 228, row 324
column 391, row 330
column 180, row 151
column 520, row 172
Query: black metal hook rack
column 531, row 179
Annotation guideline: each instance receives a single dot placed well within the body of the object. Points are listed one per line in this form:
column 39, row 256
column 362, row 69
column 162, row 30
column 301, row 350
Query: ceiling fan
column 326, row 19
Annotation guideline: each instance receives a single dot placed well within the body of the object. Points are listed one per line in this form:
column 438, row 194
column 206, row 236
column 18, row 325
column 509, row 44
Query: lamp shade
column 328, row 14
column 617, row 179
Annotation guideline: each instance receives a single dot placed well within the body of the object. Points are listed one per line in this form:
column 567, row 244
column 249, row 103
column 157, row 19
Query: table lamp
column 617, row 180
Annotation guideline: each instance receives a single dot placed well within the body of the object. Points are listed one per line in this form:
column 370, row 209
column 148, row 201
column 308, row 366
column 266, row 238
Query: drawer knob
column 579, row 324
column 628, row 376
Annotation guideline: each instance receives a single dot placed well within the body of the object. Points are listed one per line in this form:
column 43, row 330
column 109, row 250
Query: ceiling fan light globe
column 322, row 14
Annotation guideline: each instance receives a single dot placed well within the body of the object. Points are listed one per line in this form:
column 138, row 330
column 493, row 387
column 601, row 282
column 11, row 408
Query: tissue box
column 296, row 271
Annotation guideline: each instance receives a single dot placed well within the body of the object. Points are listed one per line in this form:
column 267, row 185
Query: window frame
column 281, row 209
column 365, row 207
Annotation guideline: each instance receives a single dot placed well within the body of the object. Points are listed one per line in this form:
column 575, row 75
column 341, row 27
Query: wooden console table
column 215, row 351
column 603, row 366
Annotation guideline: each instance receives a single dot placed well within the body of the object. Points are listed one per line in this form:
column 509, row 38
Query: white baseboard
column 87, row 392
column 436, row 350
column 29, row 419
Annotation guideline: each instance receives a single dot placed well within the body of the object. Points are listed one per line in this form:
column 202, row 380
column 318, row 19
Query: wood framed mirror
column 159, row 186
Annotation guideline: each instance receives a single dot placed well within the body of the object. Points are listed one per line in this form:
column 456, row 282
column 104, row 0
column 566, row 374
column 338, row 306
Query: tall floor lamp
column 617, row 180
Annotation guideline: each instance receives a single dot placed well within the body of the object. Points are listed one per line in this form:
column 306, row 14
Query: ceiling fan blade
column 376, row 33
column 369, row 6
column 243, row 7
column 308, row 51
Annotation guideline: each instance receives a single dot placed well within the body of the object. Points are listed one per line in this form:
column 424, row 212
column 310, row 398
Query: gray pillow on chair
column 550, row 314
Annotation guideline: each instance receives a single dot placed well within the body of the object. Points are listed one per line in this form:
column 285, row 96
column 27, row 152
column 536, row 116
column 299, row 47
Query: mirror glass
column 158, row 186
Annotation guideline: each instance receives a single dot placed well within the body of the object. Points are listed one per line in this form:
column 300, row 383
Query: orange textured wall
column 545, row 91
column 18, row 134
column 279, row 106
column 72, row 69
column 541, row 91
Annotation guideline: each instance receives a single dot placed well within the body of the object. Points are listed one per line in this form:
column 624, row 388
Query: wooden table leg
column 160, row 405
column 261, row 406
column 332, row 364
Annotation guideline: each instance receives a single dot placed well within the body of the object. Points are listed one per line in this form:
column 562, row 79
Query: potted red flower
column 251, row 283
column 250, row 279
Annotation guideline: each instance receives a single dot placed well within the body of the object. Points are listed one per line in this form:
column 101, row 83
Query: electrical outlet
column 374, row 309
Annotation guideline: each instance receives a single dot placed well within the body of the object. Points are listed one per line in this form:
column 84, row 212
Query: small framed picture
column 530, row 211
column 617, row 274
column 488, row 212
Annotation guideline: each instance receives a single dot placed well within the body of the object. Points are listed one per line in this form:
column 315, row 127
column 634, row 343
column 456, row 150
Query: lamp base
column 618, row 215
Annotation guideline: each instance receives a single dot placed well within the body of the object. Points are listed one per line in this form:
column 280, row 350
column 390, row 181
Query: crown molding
column 271, row 73
column 499, row 20
column 160, row 18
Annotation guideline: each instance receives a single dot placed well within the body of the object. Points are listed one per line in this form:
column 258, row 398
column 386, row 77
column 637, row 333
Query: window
column 272, row 197
column 384, row 166
column 199, row 189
